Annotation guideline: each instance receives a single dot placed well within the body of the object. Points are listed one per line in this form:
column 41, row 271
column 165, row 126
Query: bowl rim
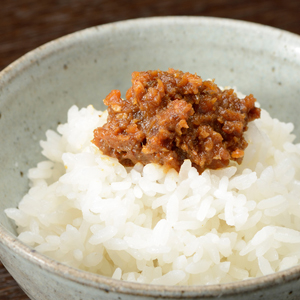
column 124, row 287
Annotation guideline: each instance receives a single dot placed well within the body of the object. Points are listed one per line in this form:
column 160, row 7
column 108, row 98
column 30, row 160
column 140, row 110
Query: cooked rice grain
column 148, row 225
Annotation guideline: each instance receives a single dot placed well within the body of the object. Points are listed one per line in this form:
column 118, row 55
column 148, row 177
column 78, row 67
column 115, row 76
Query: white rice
column 146, row 225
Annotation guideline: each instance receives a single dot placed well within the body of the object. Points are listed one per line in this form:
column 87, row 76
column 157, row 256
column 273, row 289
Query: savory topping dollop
column 171, row 116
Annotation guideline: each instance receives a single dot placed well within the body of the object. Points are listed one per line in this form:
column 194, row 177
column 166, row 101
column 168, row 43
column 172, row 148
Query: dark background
column 27, row 24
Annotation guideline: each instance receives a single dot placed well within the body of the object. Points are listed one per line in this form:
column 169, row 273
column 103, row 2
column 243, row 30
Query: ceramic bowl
column 82, row 68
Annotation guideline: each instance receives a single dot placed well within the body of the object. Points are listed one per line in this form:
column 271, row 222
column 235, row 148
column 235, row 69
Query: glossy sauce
column 171, row 116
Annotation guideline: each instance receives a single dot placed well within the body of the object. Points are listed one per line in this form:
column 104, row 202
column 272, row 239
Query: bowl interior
column 37, row 91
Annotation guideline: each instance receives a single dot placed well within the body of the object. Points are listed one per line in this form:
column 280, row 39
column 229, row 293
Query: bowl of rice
column 77, row 224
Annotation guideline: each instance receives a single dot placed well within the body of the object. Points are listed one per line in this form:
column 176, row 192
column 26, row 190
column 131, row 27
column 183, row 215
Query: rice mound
column 148, row 225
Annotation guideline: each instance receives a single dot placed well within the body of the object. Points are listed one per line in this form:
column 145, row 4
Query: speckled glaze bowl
column 37, row 90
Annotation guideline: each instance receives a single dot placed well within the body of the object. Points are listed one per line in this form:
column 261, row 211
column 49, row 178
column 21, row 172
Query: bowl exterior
column 44, row 283
column 37, row 90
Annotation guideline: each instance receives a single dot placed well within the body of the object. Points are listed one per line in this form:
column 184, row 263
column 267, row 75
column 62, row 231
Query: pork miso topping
column 171, row 116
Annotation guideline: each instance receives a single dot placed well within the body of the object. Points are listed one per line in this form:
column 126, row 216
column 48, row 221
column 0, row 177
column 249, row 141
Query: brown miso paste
column 171, row 116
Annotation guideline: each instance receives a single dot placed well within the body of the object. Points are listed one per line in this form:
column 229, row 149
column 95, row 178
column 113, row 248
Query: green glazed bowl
column 82, row 68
